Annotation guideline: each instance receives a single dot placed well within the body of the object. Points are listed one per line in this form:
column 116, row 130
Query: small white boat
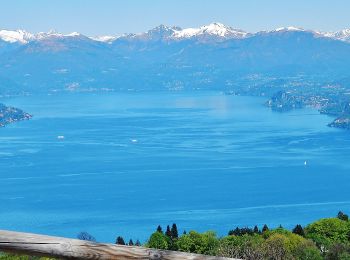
column 60, row 137
column 305, row 163
column 134, row 140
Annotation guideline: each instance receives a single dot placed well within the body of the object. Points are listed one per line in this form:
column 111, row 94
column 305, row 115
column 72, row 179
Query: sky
column 114, row 17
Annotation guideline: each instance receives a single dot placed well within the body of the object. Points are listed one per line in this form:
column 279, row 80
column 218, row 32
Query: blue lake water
column 204, row 160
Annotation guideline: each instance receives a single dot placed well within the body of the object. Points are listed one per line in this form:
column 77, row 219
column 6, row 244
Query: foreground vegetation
column 327, row 238
column 4, row 256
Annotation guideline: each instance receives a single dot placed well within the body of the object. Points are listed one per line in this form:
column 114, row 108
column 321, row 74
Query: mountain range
column 209, row 57
column 218, row 30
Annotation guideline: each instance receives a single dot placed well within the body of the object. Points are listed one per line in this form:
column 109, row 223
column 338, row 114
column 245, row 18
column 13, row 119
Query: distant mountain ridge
column 212, row 57
column 216, row 29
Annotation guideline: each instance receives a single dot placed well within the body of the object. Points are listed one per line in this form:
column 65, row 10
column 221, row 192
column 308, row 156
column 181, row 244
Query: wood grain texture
column 64, row 248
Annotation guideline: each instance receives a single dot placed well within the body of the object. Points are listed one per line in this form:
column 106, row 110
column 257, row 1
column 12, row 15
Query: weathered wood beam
column 64, row 248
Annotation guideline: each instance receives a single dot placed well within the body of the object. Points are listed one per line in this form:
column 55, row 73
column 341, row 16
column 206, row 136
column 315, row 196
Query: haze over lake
column 122, row 163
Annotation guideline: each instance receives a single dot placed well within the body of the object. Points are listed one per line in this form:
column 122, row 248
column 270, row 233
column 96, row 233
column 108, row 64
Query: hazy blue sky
column 95, row 17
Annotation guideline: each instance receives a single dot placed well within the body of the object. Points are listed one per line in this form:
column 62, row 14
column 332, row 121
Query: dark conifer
column 168, row 231
column 265, row 228
column 235, row 232
column 246, row 231
column 159, row 229
column 137, row 243
column 184, row 233
column 256, row 230
column 342, row 216
column 120, row 241
column 131, row 243
column 174, row 232
column 298, row 230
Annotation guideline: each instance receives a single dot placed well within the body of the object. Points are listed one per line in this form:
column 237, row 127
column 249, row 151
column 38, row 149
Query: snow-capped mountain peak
column 343, row 35
column 20, row 36
column 288, row 29
column 162, row 31
column 213, row 29
column 73, row 34
column 104, row 38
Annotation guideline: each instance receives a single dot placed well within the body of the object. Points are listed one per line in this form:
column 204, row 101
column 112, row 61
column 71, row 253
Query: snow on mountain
column 54, row 34
column 162, row 32
column 104, row 38
column 343, row 35
column 213, row 29
column 20, row 36
column 288, row 29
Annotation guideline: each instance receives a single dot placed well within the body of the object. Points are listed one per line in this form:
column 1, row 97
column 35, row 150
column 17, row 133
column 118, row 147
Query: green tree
column 328, row 231
column 276, row 247
column 194, row 242
column 282, row 244
column 242, row 247
column 137, row 243
column 158, row 241
column 306, row 250
column 131, row 243
column 338, row 251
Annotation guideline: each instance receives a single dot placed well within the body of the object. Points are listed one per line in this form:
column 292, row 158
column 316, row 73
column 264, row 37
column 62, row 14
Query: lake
column 131, row 161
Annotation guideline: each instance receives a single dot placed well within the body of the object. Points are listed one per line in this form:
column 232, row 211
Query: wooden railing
column 64, row 248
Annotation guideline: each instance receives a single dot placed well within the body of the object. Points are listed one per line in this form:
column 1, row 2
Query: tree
column 235, row 232
column 338, row 251
column 137, row 243
column 256, row 230
column 120, row 241
column 86, row 236
column 276, row 247
column 307, row 250
column 168, row 231
column 242, row 247
column 285, row 245
column 201, row 243
column 328, row 231
column 299, row 230
column 185, row 232
column 265, row 228
column 342, row 216
column 174, row 232
column 159, row 229
column 158, row 241
column 131, row 243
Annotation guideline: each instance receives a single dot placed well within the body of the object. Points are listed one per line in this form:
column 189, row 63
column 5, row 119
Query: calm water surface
column 129, row 162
